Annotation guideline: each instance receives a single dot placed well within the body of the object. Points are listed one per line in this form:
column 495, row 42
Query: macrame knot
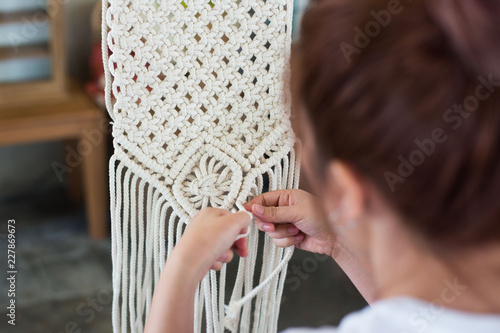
column 209, row 181
column 231, row 318
column 206, row 186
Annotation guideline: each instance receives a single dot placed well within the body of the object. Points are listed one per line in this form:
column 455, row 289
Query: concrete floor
column 61, row 273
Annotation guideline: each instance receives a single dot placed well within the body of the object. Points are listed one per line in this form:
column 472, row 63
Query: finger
column 214, row 211
column 265, row 226
column 240, row 247
column 234, row 224
column 283, row 231
column 288, row 241
column 285, row 214
column 216, row 266
column 226, row 229
column 226, row 257
column 240, row 220
column 273, row 198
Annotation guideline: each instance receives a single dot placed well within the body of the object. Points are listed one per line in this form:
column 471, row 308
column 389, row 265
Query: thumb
column 283, row 214
column 238, row 222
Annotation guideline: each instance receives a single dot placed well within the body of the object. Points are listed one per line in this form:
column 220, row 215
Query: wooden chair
column 53, row 109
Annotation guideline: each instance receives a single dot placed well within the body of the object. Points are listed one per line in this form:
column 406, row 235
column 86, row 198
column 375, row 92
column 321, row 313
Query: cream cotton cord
column 200, row 100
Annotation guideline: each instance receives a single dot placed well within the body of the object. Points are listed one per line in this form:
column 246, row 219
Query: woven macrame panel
column 198, row 92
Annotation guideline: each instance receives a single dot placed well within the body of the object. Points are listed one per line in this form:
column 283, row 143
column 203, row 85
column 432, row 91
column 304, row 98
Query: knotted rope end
column 231, row 318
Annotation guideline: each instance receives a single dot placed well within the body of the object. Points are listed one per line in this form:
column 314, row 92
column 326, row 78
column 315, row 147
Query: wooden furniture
column 49, row 108
column 75, row 118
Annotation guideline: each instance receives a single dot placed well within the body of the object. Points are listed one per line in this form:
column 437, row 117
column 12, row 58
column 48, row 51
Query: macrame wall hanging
column 199, row 96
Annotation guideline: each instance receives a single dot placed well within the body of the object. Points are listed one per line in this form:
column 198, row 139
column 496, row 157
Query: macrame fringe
column 145, row 228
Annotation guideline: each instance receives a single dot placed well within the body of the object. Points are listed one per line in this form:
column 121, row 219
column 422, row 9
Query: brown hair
column 407, row 93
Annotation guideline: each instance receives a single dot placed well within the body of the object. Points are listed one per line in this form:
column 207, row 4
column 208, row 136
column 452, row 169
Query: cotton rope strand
column 234, row 306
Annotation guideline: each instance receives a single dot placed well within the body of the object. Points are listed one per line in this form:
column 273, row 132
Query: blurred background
column 54, row 146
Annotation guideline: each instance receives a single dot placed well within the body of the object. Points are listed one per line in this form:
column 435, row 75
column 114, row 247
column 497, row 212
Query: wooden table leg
column 92, row 147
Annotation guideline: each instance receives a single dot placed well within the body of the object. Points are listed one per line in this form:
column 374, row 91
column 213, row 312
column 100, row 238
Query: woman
column 399, row 114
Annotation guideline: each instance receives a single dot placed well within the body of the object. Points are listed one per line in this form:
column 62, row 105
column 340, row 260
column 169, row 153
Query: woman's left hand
column 210, row 238
column 206, row 244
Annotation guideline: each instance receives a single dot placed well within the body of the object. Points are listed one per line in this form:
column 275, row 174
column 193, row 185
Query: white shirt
column 407, row 315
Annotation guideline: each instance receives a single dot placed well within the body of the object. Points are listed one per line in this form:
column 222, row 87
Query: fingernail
column 267, row 227
column 299, row 237
column 222, row 257
column 258, row 209
column 292, row 230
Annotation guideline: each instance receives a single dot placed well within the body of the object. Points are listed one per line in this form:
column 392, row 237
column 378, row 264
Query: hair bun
column 474, row 29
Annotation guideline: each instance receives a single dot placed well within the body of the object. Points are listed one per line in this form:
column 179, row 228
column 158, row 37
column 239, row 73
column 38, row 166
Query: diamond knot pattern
column 200, row 119
column 209, row 178
column 191, row 60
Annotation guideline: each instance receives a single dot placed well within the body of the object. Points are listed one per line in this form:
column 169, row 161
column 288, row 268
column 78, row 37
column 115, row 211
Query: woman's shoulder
column 407, row 315
column 356, row 322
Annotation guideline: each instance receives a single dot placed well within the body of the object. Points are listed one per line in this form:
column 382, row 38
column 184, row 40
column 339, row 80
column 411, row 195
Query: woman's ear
column 344, row 191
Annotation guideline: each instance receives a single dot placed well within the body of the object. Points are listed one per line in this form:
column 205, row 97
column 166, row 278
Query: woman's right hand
column 292, row 217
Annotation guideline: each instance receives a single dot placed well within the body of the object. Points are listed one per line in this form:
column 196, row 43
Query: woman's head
column 407, row 95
